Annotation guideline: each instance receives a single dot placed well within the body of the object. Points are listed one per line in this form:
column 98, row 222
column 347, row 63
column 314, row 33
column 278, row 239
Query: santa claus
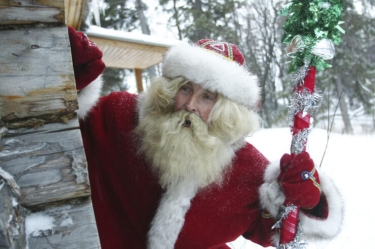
column 170, row 168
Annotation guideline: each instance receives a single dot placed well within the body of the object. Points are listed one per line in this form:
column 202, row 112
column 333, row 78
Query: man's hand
column 87, row 58
column 299, row 180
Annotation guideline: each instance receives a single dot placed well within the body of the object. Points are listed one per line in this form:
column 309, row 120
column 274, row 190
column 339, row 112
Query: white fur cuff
column 88, row 97
column 325, row 228
column 270, row 192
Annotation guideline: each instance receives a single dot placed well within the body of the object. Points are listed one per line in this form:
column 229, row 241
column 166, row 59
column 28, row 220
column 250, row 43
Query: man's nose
column 191, row 104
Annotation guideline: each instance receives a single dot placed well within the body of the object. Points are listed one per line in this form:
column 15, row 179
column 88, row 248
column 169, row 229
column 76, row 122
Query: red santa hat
column 216, row 66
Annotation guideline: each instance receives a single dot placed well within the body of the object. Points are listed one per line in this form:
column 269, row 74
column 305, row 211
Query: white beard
column 179, row 153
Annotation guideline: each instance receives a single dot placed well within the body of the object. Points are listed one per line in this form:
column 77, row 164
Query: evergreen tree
column 119, row 15
column 113, row 79
column 199, row 19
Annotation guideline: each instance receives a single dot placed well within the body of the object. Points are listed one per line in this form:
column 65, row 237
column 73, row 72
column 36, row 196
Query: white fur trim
column 330, row 227
column 272, row 197
column 88, row 97
column 270, row 192
column 170, row 216
column 213, row 72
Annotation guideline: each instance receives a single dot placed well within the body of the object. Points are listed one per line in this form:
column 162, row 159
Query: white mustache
column 187, row 119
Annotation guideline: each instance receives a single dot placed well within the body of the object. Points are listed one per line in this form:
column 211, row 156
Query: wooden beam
column 37, row 78
column 71, row 226
column 47, row 163
column 30, row 12
column 138, row 78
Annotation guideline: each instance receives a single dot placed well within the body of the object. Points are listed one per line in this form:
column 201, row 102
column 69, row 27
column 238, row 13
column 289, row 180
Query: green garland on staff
column 310, row 21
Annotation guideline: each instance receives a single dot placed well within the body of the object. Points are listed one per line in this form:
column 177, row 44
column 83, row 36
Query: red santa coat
column 126, row 193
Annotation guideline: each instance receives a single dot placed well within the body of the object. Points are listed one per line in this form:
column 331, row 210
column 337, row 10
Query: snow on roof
column 130, row 37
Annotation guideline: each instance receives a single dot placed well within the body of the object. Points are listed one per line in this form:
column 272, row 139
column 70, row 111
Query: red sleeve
column 260, row 229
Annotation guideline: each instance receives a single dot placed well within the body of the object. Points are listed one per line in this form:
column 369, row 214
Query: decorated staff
column 311, row 30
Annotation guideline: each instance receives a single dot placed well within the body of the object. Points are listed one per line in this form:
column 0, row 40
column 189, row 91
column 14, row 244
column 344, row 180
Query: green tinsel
column 311, row 21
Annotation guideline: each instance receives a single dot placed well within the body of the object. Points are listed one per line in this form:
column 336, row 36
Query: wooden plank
column 31, row 11
column 138, row 55
column 47, row 163
column 36, row 74
column 68, row 225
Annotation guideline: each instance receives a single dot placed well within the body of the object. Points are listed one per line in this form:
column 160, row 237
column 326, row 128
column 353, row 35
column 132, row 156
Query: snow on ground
column 348, row 160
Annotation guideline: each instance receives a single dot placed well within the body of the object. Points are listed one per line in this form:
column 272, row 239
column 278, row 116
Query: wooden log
column 36, row 75
column 47, row 163
column 68, row 225
column 31, row 11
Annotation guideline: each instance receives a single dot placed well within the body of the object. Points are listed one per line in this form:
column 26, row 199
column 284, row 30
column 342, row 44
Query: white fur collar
column 170, row 216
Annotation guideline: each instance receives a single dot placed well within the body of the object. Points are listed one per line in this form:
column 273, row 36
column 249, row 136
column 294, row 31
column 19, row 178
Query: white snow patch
column 130, row 36
column 36, row 223
column 10, row 219
column 14, row 202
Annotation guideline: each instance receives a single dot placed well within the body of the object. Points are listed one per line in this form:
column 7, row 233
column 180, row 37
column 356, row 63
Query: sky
column 349, row 162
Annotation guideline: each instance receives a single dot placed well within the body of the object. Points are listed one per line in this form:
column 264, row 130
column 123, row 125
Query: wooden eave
column 130, row 53
column 120, row 49
column 128, row 50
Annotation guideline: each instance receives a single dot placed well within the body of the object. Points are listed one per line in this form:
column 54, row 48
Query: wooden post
column 44, row 189
column 138, row 79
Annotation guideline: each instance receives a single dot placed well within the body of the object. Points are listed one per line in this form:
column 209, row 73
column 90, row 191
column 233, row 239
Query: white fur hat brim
column 212, row 72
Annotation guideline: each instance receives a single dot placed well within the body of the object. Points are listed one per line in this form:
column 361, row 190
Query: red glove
column 299, row 180
column 87, row 58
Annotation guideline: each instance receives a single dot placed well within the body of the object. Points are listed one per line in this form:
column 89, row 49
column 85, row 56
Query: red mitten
column 299, row 180
column 87, row 58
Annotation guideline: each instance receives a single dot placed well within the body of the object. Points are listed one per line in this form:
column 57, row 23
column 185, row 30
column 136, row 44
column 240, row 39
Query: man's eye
column 208, row 96
column 185, row 88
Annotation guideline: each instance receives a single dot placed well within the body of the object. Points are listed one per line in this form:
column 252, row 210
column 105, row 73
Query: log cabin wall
column 44, row 189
